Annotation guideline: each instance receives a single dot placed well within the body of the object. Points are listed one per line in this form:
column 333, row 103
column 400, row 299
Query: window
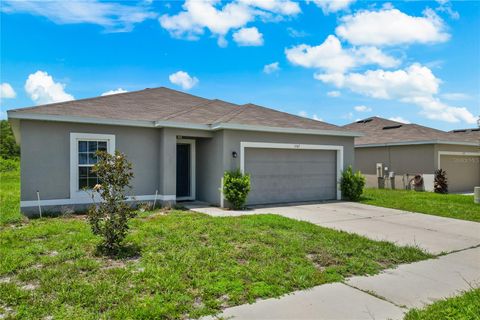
column 86, row 159
column 83, row 147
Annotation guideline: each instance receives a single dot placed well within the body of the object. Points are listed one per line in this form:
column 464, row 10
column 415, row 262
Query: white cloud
column 114, row 17
column 284, row 7
column 294, row 33
column 248, row 37
column 271, row 68
column 332, row 57
column 42, row 89
column 6, row 91
column 219, row 17
column 392, row 27
column 362, row 108
column 416, row 84
column 334, row 94
column 399, row 119
column 183, row 79
column 329, row 6
column 110, row 92
column 305, row 114
column 446, row 7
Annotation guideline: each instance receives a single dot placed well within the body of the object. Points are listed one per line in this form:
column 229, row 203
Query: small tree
column 352, row 184
column 236, row 187
column 109, row 218
column 440, row 184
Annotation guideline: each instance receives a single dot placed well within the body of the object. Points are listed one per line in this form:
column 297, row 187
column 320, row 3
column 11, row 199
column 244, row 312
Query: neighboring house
column 180, row 146
column 410, row 149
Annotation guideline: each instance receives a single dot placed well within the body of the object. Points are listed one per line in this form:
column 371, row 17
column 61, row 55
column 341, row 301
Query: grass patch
column 444, row 205
column 464, row 307
column 10, row 197
column 189, row 265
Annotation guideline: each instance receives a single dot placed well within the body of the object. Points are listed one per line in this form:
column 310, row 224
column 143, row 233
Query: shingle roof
column 164, row 104
column 467, row 133
column 382, row 131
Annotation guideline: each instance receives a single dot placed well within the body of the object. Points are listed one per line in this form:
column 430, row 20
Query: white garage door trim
column 263, row 145
column 454, row 153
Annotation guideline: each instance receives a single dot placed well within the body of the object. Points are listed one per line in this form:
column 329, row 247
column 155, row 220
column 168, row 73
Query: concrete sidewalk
column 384, row 296
column 389, row 294
column 430, row 233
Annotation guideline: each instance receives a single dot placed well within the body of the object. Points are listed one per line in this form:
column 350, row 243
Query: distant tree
column 9, row 149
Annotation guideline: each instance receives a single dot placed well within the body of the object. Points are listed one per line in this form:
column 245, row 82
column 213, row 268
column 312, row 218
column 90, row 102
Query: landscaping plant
column 440, row 184
column 352, row 184
column 109, row 218
column 236, row 187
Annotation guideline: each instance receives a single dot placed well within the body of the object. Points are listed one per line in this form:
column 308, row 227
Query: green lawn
column 10, row 197
column 444, row 205
column 187, row 265
column 464, row 307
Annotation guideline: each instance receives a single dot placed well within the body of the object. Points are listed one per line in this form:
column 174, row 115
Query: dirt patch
column 322, row 260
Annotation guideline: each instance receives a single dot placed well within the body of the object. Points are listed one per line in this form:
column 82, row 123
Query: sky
column 333, row 61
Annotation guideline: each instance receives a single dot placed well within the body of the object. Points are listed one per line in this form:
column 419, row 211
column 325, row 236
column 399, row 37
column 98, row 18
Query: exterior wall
column 404, row 161
column 209, row 168
column 233, row 138
column 409, row 159
column 45, row 160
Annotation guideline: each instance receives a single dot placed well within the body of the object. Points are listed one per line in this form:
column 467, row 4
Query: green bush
column 352, row 184
column 9, row 149
column 236, row 187
column 109, row 218
column 7, row 165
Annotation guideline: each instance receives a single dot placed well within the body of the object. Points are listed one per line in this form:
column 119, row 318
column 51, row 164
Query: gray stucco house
column 180, row 145
column 389, row 148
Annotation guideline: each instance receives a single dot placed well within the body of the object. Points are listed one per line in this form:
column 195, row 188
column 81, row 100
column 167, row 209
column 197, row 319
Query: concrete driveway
column 431, row 233
column 387, row 295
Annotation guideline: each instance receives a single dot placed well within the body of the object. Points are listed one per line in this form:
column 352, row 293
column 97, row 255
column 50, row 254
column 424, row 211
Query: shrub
column 352, row 184
column 440, row 184
column 109, row 218
column 7, row 165
column 236, row 187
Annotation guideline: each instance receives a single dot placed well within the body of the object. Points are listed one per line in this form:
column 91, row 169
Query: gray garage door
column 290, row 175
column 463, row 172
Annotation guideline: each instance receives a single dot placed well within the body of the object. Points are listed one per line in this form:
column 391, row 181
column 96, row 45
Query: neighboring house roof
column 473, row 133
column 164, row 107
column 381, row 132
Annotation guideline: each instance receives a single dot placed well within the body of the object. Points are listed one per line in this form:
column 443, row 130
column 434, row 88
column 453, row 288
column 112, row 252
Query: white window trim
column 455, row 153
column 75, row 193
column 339, row 150
column 193, row 182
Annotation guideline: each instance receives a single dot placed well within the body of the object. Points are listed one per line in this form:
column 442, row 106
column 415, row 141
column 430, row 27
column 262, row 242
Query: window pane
column 92, row 182
column 92, row 146
column 82, row 158
column 92, row 158
column 91, row 174
column 82, row 146
column 102, row 145
column 83, row 172
column 82, row 183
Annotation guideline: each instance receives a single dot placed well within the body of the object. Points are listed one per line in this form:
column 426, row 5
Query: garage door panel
column 463, row 172
column 289, row 175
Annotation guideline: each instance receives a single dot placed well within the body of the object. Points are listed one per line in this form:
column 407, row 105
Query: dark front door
column 183, row 170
